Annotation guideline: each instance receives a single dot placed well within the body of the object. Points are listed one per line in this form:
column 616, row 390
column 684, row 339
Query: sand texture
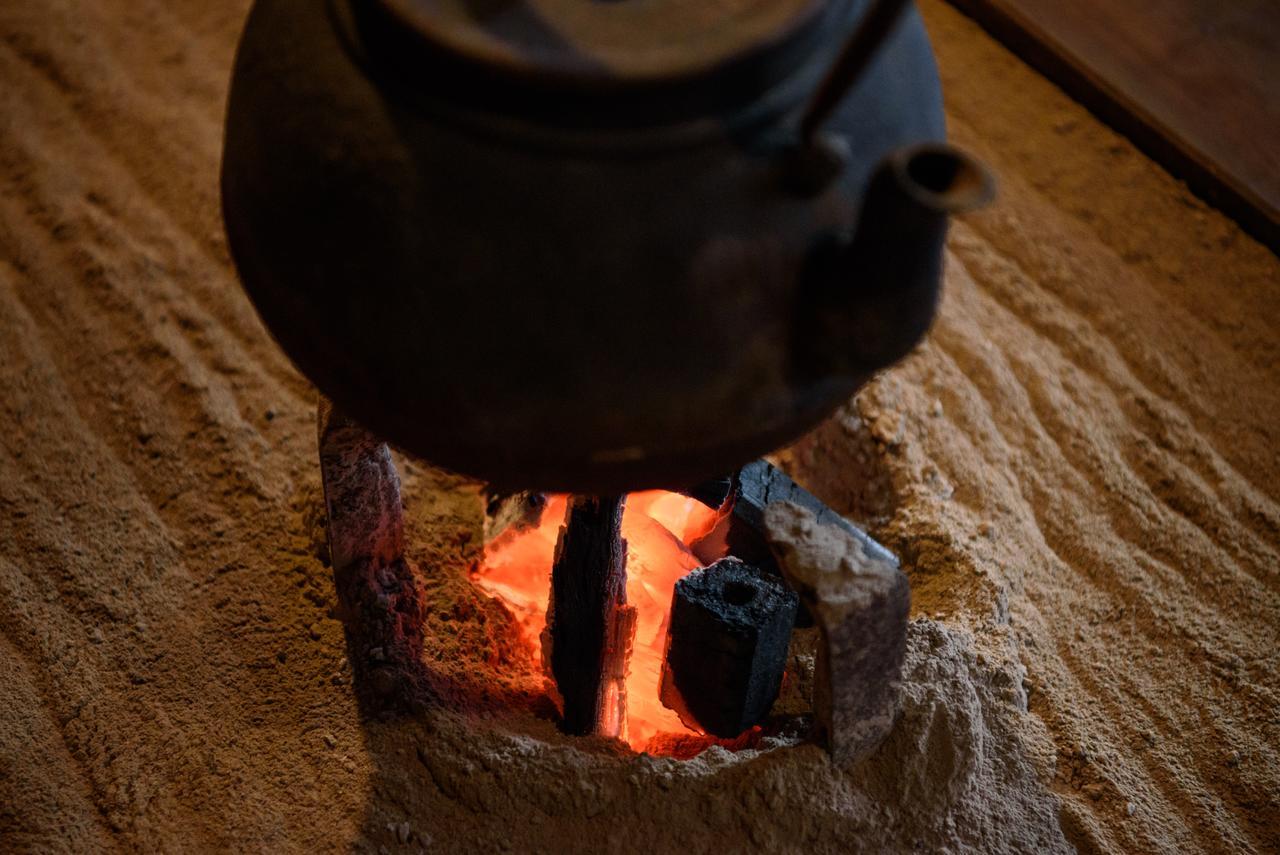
column 1078, row 468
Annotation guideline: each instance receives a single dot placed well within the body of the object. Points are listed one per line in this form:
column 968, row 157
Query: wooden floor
column 1192, row 82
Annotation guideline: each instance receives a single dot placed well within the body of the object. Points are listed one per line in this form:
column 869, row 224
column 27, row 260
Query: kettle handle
column 872, row 30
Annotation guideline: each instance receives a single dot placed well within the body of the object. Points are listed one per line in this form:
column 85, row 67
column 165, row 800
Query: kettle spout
column 870, row 299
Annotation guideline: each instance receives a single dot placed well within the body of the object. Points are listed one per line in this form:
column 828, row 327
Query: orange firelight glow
column 659, row 528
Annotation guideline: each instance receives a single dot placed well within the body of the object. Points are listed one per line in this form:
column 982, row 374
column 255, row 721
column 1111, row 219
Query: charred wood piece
column 760, row 484
column 378, row 596
column 727, row 643
column 742, row 533
column 860, row 600
column 587, row 641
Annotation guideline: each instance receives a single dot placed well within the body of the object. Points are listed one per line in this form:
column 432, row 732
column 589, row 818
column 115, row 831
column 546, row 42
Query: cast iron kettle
column 590, row 245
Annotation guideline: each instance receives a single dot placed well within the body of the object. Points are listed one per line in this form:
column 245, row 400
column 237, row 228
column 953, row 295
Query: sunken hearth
column 662, row 619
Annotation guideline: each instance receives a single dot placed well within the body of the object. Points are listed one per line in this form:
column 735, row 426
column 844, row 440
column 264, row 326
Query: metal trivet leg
column 378, row 597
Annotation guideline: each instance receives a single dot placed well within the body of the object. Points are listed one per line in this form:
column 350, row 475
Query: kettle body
column 592, row 288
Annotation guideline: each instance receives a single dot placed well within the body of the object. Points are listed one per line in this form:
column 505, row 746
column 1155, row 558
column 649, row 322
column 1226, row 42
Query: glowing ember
column 659, row 528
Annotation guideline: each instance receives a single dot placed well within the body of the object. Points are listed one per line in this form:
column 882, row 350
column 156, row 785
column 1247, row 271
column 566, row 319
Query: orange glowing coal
column 659, row 528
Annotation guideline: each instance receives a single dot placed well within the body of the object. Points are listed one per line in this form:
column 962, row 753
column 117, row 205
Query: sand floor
column 1079, row 469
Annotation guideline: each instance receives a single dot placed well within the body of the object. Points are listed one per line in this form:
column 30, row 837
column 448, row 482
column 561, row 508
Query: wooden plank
column 1191, row 82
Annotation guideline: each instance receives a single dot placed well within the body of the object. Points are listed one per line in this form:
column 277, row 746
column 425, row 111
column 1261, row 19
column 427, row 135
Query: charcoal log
column 860, row 600
column 727, row 642
column 589, row 625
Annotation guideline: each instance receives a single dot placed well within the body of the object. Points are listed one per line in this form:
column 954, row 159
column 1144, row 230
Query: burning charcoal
column 727, row 645
column 860, row 600
column 514, row 512
column 711, row 493
column 589, row 625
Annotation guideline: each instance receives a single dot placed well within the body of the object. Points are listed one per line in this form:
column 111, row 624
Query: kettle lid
column 624, row 39
column 698, row 58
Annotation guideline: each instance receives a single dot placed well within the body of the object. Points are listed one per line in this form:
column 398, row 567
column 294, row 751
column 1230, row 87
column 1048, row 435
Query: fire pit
column 640, row 610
